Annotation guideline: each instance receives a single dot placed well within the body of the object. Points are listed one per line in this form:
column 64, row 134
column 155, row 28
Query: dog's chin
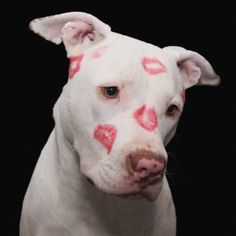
column 150, row 193
column 149, row 196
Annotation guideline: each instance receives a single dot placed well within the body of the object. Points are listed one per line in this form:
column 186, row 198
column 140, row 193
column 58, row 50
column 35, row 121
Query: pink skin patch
column 98, row 52
column 74, row 65
column 106, row 135
column 182, row 95
column 146, row 118
column 153, row 66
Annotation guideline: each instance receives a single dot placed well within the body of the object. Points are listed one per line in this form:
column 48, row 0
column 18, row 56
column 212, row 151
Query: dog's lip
column 151, row 180
column 140, row 193
column 90, row 181
column 131, row 195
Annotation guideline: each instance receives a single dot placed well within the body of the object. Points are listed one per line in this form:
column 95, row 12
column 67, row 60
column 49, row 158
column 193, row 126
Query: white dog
column 102, row 170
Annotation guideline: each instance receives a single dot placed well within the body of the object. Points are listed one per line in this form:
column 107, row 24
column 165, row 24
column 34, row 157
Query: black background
column 201, row 168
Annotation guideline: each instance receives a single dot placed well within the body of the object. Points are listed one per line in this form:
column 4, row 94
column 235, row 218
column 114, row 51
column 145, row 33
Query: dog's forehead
column 127, row 60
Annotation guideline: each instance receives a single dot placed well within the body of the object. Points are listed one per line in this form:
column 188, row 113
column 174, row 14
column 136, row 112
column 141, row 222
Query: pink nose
column 145, row 167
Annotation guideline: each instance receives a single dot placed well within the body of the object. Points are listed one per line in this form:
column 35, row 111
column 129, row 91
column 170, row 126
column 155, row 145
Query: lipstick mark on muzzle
column 146, row 117
column 106, row 135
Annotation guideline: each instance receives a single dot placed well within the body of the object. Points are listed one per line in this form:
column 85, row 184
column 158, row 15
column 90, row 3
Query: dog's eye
column 110, row 92
column 172, row 110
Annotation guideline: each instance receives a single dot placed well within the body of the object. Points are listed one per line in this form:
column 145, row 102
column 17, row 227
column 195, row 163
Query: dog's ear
column 77, row 30
column 194, row 68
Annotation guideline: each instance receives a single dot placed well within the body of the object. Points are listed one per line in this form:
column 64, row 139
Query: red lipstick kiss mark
column 98, row 52
column 74, row 65
column 182, row 95
column 106, row 135
column 153, row 66
column 146, row 118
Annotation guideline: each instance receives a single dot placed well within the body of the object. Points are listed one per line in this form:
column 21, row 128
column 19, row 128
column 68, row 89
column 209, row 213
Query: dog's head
column 123, row 100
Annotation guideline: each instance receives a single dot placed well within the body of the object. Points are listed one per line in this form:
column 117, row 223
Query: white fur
column 59, row 201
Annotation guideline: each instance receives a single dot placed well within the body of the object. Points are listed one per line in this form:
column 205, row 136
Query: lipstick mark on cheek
column 74, row 66
column 182, row 95
column 106, row 135
column 98, row 52
column 153, row 66
column 146, row 118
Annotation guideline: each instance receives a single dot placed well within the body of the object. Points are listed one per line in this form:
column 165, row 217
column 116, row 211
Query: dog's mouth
column 90, row 181
column 143, row 193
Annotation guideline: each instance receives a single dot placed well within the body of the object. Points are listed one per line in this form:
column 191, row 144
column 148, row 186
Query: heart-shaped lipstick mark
column 146, row 118
column 75, row 65
column 153, row 66
column 106, row 135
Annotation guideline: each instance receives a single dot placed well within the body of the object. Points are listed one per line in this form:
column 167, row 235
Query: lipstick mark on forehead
column 98, row 52
column 146, row 118
column 74, row 66
column 106, row 135
column 153, row 66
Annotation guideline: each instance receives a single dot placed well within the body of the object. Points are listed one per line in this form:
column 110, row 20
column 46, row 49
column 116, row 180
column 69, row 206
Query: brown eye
column 172, row 110
column 110, row 92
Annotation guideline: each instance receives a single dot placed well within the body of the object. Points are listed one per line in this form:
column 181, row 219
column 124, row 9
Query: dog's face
column 126, row 101
column 123, row 100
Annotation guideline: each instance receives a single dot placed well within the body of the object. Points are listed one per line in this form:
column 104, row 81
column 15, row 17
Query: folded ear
column 77, row 30
column 194, row 68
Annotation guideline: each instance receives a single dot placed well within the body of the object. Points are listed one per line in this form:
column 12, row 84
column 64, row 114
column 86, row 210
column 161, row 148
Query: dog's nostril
column 143, row 170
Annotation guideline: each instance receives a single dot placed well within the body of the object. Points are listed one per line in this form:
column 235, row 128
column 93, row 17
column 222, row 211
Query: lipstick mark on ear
column 146, row 118
column 74, row 66
column 98, row 52
column 106, row 135
column 153, row 66
column 182, row 95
